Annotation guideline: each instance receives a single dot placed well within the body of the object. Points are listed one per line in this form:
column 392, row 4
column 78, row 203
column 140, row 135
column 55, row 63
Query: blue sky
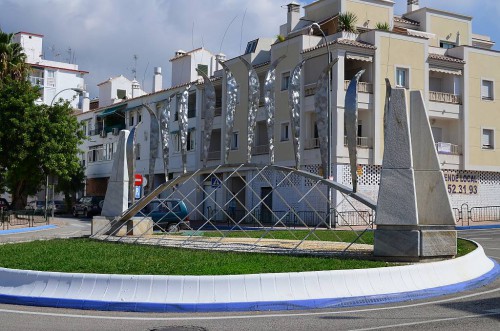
column 104, row 35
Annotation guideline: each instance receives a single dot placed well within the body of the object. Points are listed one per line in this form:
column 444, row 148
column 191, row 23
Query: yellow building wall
column 394, row 53
column 369, row 13
column 483, row 113
column 446, row 29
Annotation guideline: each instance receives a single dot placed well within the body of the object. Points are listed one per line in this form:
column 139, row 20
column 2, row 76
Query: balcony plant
column 347, row 23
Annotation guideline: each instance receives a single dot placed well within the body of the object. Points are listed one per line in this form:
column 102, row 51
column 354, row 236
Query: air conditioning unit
column 103, row 134
column 116, row 131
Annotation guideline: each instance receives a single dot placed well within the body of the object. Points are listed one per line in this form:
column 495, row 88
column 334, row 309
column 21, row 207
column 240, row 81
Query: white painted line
column 426, row 322
column 261, row 316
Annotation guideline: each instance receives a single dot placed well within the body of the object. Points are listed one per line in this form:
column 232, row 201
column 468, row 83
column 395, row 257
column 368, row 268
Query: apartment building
column 425, row 49
column 55, row 79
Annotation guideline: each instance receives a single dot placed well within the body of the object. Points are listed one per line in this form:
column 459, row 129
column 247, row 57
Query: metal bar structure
column 267, row 203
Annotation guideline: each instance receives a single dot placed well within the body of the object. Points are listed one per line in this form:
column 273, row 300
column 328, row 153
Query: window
column 402, row 77
column 487, row 90
column 446, row 44
column 131, row 120
column 121, row 94
column 488, row 139
column 192, row 105
column 285, row 80
column 203, row 68
column 191, row 138
column 285, row 131
column 139, row 118
column 51, row 81
column 137, row 151
column 251, row 46
column 234, row 140
column 85, row 127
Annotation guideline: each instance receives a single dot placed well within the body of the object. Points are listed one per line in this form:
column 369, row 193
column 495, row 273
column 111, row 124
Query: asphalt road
column 477, row 309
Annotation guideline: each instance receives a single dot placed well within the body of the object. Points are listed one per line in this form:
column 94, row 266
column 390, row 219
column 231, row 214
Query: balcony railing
column 448, row 148
column 311, row 143
column 38, row 81
column 260, row 149
column 445, row 97
column 309, row 89
column 362, row 142
column 214, row 155
column 362, row 86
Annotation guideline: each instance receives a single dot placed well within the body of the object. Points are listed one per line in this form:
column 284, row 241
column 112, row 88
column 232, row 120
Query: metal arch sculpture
column 231, row 101
column 154, row 140
column 164, row 118
column 183, row 125
column 294, row 88
column 351, row 125
column 253, row 105
column 322, row 112
column 209, row 114
column 137, row 206
column 269, row 99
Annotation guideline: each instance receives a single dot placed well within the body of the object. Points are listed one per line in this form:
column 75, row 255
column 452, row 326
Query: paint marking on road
column 495, row 248
column 427, row 322
column 235, row 317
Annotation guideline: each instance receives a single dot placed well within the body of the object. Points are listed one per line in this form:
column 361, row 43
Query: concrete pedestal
column 136, row 226
column 415, row 243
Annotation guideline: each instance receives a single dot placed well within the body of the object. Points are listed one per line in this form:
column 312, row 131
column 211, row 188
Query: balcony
column 362, row 142
column 309, row 89
column 37, row 81
column 312, row 143
column 448, row 148
column 363, row 87
column 260, row 149
column 445, row 97
column 214, row 155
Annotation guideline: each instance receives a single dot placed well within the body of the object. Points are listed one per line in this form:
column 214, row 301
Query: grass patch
column 90, row 256
column 464, row 247
column 320, row 235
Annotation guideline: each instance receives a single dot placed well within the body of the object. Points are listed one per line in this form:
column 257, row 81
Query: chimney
column 157, row 80
column 136, row 88
column 219, row 57
column 85, row 102
column 412, row 6
column 293, row 16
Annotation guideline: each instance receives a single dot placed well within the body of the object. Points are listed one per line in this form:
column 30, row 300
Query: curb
column 24, row 230
column 282, row 291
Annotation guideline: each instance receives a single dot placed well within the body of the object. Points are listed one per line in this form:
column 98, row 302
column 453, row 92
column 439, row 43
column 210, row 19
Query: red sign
column 138, row 180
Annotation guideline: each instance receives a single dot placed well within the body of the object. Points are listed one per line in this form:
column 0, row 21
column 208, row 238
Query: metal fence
column 466, row 215
column 26, row 218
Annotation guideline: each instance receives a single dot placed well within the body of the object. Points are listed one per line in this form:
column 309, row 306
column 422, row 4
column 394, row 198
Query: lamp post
column 80, row 91
column 328, row 171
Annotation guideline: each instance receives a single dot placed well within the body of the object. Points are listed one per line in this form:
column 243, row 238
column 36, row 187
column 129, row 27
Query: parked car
column 88, row 206
column 37, row 206
column 4, row 204
column 58, row 205
column 168, row 215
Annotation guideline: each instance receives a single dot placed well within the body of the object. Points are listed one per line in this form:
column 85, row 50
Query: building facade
column 425, row 49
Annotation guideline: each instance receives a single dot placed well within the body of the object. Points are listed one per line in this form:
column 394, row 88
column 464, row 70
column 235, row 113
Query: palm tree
column 383, row 26
column 12, row 58
column 347, row 22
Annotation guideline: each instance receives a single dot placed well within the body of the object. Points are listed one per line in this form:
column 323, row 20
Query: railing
column 311, row 143
column 309, row 89
column 444, row 97
column 26, row 217
column 447, row 148
column 260, row 149
column 362, row 86
column 218, row 111
column 353, row 218
column 362, row 142
column 37, row 81
column 214, row 155
column 466, row 215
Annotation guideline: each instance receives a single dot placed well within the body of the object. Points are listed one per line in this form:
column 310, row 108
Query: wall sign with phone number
column 461, row 183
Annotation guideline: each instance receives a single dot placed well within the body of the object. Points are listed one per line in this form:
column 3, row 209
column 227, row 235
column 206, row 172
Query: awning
column 448, row 71
column 421, row 34
column 112, row 110
column 359, row 57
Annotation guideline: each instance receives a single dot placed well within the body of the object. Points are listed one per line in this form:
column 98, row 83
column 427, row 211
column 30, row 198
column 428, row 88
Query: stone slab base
column 415, row 243
column 136, row 226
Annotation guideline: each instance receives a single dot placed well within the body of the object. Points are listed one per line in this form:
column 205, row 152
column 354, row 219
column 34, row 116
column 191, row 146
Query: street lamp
column 80, row 91
column 328, row 171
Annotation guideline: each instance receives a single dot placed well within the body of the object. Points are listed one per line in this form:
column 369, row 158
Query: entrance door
column 266, row 195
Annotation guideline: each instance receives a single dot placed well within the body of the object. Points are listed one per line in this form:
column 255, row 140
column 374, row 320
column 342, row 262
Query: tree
column 35, row 140
column 347, row 22
column 71, row 186
column 12, row 58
